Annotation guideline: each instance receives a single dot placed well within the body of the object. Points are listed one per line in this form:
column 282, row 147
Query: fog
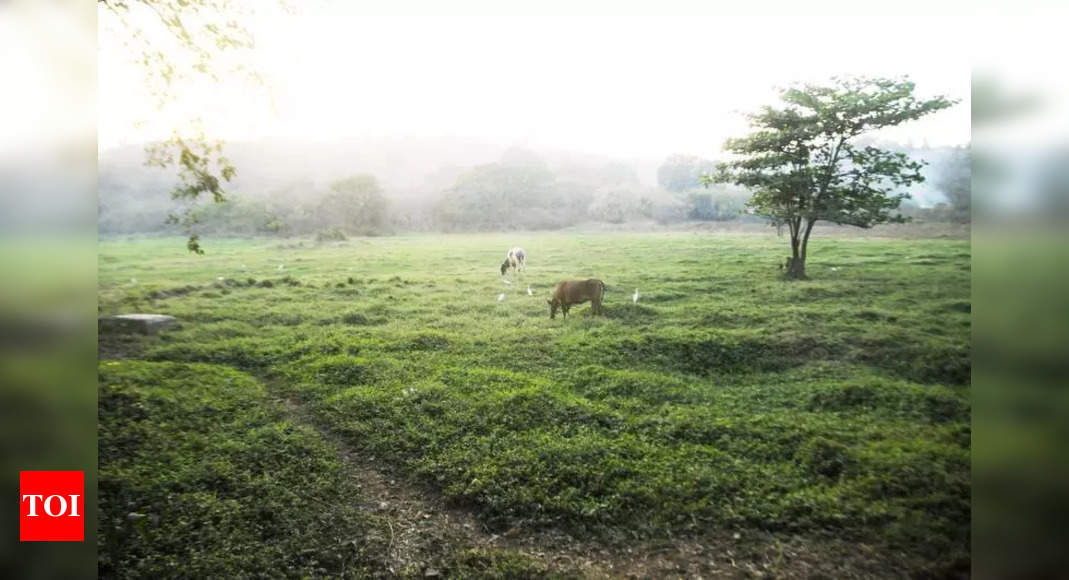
column 614, row 79
column 288, row 187
column 591, row 100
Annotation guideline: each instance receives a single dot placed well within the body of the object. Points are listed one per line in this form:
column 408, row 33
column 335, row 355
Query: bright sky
column 625, row 79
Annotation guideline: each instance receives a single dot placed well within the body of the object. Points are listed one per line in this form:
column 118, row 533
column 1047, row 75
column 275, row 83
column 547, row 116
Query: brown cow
column 568, row 292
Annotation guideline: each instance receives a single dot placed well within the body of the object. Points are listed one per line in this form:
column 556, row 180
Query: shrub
column 333, row 234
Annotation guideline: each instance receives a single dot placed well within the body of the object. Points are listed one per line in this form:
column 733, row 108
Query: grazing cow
column 515, row 259
column 568, row 292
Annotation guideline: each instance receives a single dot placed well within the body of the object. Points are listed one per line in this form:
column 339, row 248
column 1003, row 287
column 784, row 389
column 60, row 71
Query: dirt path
column 423, row 527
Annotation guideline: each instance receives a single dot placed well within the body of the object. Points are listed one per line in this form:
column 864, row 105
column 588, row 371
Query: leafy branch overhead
column 177, row 42
column 200, row 165
column 802, row 165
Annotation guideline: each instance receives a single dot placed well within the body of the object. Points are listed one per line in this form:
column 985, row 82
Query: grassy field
column 371, row 407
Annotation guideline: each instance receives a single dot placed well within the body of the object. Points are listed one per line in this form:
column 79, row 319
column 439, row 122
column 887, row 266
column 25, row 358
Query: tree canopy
column 802, row 166
column 355, row 204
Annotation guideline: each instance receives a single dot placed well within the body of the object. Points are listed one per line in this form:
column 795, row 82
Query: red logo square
column 51, row 506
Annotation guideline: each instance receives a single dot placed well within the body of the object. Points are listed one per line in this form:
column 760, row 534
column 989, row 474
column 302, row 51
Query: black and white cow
column 515, row 259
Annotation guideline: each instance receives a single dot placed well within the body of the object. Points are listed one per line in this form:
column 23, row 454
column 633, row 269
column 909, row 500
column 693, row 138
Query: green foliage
column 355, row 204
column 680, row 173
column 240, row 215
column 522, row 192
column 951, row 174
column 330, row 235
column 518, row 192
column 621, row 204
column 716, row 205
column 955, row 182
column 721, row 401
column 803, row 167
column 196, row 34
column 197, row 161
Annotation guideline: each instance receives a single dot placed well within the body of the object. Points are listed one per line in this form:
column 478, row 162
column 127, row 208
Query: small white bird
column 529, row 293
column 634, row 297
column 219, row 278
column 506, row 282
column 133, row 280
column 281, row 267
column 501, row 297
column 244, row 267
column 834, row 269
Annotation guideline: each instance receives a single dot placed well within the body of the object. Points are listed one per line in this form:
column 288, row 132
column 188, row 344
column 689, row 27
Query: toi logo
column 51, row 506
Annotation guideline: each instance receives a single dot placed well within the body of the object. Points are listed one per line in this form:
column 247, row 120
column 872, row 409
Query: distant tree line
column 681, row 175
column 953, row 180
column 519, row 191
column 355, row 205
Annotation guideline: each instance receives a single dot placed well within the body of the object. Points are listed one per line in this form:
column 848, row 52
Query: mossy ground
column 726, row 401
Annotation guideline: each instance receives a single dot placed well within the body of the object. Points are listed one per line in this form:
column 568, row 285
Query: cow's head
column 553, row 305
column 504, row 267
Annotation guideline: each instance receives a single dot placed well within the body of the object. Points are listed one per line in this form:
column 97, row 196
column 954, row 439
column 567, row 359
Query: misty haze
column 495, row 291
column 284, row 188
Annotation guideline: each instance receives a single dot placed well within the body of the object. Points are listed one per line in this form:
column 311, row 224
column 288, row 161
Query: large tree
column 803, row 167
column 355, row 204
column 520, row 191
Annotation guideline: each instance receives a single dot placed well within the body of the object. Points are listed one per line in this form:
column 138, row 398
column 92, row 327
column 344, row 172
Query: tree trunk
column 795, row 268
column 795, row 265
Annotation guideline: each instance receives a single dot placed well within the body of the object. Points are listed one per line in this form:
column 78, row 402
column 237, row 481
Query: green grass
column 202, row 476
column 726, row 399
column 199, row 447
